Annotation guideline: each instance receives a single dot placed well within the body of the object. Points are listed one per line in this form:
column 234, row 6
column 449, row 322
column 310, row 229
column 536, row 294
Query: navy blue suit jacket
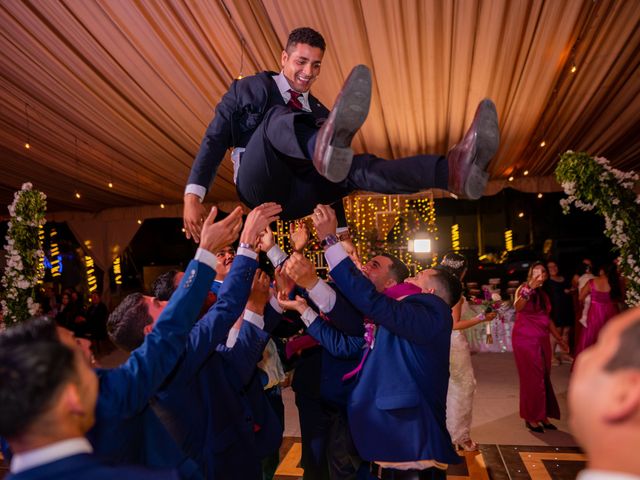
column 204, row 403
column 397, row 409
column 126, row 430
column 85, row 466
column 237, row 116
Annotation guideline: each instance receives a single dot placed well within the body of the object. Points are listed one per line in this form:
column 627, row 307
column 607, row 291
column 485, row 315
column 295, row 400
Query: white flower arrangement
column 23, row 253
column 591, row 183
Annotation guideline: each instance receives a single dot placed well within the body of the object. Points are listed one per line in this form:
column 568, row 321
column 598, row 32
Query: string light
column 511, row 178
column 91, row 277
column 526, row 172
column 543, row 144
column 56, row 259
column 117, row 270
column 521, row 214
column 539, row 195
column 162, row 205
column 573, row 69
column 27, row 144
column 508, row 240
column 78, row 195
column 139, row 222
column 110, row 184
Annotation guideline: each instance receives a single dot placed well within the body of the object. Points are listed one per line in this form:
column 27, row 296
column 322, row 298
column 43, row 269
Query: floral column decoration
column 23, row 252
column 592, row 184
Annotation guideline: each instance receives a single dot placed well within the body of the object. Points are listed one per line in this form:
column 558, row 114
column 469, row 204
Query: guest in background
column 532, row 351
column 559, row 291
column 605, row 293
column 462, row 382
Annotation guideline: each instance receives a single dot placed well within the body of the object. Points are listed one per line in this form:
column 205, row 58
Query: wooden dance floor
column 492, row 462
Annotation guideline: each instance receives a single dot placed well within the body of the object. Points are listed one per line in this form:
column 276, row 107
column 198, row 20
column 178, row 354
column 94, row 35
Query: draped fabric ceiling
column 121, row 91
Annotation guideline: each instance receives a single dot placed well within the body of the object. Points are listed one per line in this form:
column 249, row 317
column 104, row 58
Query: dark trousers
column 276, row 167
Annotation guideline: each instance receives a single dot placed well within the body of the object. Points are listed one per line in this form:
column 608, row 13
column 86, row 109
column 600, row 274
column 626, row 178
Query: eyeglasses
column 224, row 252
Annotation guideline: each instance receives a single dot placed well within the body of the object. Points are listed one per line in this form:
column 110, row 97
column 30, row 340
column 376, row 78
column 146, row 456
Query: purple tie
column 294, row 101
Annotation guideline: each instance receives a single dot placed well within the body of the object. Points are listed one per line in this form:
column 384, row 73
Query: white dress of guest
column 582, row 281
column 462, row 384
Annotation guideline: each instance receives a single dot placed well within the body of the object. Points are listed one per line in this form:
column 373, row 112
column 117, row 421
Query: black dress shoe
column 537, row 429
column 332, row 156
column 549, row 426
column 468, row 159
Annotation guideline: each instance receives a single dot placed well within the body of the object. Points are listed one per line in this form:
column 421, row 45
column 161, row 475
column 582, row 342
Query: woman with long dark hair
column 462, row 382
column 605, row 294
column 532, row 351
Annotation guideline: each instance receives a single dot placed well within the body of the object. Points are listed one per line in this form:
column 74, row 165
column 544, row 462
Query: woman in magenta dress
column 605, row 294
column 532, row 351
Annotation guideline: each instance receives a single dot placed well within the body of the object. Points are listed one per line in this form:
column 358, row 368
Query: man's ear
column 147, row 328
column 624, row 397
column 71, row 399
column 283, row 58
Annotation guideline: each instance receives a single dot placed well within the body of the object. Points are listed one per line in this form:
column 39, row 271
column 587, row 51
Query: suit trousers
column 276, row 166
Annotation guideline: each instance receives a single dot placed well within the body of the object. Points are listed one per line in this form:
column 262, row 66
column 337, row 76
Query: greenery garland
column 591, row 183
column 23, row 253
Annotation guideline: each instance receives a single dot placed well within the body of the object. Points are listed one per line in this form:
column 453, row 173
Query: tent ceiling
column 122, row 91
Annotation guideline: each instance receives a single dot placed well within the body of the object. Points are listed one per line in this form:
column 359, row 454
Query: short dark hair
column 126, row 323
column 163, row 287
column 448, row 287
column 34, row 365
column 628, row 353
column 455, row 263
column 399, row 271
column 307, row 36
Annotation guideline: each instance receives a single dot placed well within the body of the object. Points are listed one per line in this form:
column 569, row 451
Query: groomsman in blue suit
column 178, row 401
column 48, row 394
column 397, row 409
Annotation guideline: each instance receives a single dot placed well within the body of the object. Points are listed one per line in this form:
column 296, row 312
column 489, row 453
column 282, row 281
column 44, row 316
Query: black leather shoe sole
column 537, row 429
column 349, row 113
column 485, row 124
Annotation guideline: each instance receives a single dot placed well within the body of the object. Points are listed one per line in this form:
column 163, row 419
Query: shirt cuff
column 206, row 257
column 273, row 301
column 309, row 316
column 276, row 256
column 233, row 337
column 254, row 318
column 247, row 252
column 198, row 190
column 323, row 296
column 335, row 254
column 342, row 229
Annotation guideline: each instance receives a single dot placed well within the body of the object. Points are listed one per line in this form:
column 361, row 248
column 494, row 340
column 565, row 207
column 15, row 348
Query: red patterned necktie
column 294, row 101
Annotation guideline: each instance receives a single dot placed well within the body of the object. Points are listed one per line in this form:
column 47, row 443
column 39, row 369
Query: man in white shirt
column 604, row 398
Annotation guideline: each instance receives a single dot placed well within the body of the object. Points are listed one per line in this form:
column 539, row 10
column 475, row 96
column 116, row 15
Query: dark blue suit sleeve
column 337, row 343
column 417, row 319
column 125, row 390
column 346, row 317
column 213, row 328
column 217, row 139
column 247, row 351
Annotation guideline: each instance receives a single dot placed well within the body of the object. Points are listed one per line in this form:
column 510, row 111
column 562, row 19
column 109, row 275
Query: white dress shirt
column 51, row 453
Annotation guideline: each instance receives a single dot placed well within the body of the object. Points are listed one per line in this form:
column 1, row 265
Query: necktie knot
column 294, row 101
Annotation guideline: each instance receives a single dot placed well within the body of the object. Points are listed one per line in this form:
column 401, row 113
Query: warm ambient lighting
column 139, row 222
column 110, row 184
column 77, row 195
column 573, row 69
column 526, row 172
column 539, row 195
column 162, row 205
column 521, row 214
column 511, row 178
column 27, row 145
column 543, row 143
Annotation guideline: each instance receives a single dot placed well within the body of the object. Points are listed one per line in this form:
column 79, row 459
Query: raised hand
column 259, row 295
column 299, row 235
column 301, row 270
column 215, row 235
column 266, row 240
column 257, row 220
column 193, row 214
column 283, row 282
column 324, row 219
column 299, row 304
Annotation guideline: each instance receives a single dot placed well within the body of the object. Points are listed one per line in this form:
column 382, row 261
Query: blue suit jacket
column 126, row 430
column 237, row 116
column 397, row 409
column 204, row 403
column 85, row 466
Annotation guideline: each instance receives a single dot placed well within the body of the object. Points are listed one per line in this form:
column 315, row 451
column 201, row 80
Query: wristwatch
column 245, row 245
column 329, row 240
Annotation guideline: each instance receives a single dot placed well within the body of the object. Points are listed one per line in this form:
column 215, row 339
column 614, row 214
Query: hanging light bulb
column 574, row 69
column 27, row 145
column 521, row 214
column 110, row 184
column 543, row 143
column 539, row 195
column 162, row 205
column 511, row 178
column 139, row 222
column 526, row 172
column 77, row 194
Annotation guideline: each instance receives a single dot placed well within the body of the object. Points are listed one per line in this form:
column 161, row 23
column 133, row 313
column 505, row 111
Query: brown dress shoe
column 468, row 159
column 332, row 156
